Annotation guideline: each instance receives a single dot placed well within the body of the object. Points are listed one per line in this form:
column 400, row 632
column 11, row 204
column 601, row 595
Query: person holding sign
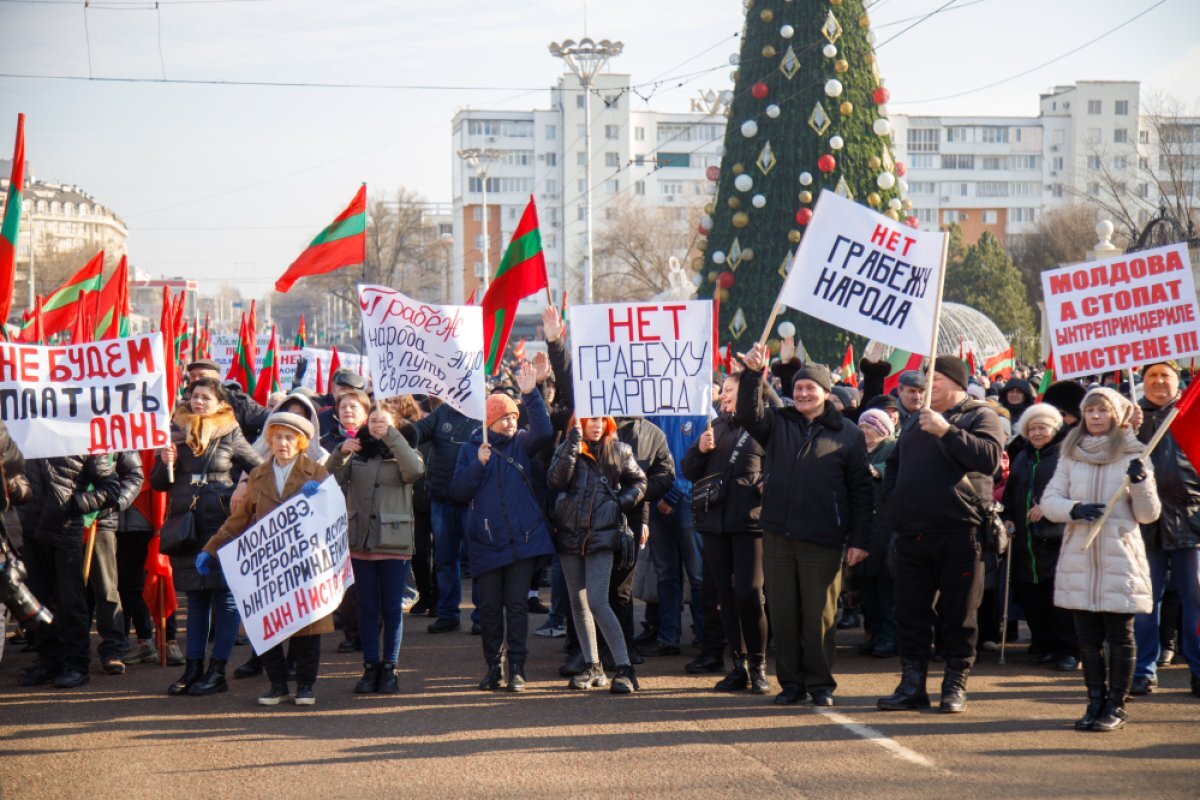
column 1105, row 586
column 288, row 472
column 817, row 501
column 506, row 529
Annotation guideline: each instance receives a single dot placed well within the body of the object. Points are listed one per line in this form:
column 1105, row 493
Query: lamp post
column 447, row 243
column 585, row 58
column 481, row 161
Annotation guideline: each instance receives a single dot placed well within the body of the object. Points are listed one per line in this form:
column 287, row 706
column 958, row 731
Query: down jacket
column 60, row 491
column 379, row 493
column 505, row 522
column 128, row 467
column 587, row 516
column 741, row 501
column 1113, row 574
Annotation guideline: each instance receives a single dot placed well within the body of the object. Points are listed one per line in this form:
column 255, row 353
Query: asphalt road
column 123, row 737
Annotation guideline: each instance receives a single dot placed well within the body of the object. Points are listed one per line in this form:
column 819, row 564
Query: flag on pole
column 471, row 299
column 342, row 243
column 973, row 370
column 63, row 307
column 39, row 333
column 1186, row 429
column 1000, row 364
column 716, row 331
column 268, row 376
column 320, row 379
column 112, row 318
column 522, row 272
column 242, row 368
column 901, row 361
column 849, row 372
column 1047, row 377
column 166, row 324
column 10, row 229
column 83, row 327
column 335, row 363
column 301, row 335
column 518, row 351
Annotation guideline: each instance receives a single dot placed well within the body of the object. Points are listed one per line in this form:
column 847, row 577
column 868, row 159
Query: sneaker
column 420, row 608
column 305, row 695
column 113, row 666
column 276, row 695
column 174, row 655
column 536, row 606
column 625, row 681
column 71, row 679
column 141, row 653
column 444, row 625
column 551, row 631
column 408, row 602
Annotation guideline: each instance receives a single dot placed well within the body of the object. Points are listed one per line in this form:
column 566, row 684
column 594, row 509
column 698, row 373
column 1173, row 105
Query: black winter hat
column 953, row 368
column 1066, row 396
column 817, row 373
column 874, row 369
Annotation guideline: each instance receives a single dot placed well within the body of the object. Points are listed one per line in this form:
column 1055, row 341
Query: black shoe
column 1196, row 685
column 822, row 697
column 516, row 678
column 1111, row 718
column 661, row 649
column 592, row 675
column 910, row 695
column 494, row 678
column 213, row 681
column 954, row 688
column 867, row 648
column 350, row 645
column 635, row 654
column 648, row 636
column 444, row 625
column 1166, row 656
column 758, row 675
column 389, row 682
column 275, row 695
column 476, row 629
column 39, row 675
column 625, row 681
column 1094, row 707
column 369, row 682
column 736, row 681
column 71, row 679
column 304, row 695
column 1041, row 659
column 790, row 695
column 886, row 648
column 850, row 619
column 251, row 669
column 192, row 672
column 703, row 665
column 1144, row 684
column 418, row 608
column 572, row 666
column 536, row 606
column 1066, row 664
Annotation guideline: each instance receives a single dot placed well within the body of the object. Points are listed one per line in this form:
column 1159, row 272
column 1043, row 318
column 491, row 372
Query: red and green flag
column 716, row 332
column 301, row 334
column 335, row 363
column 242, row 368
column 1048, row 378
column 10, row 229
column 268, row 376
column 64, row 306
column 112, row 310
column 522, row 272
column 1000, row 364
column 342, row 243
column 83, row 327
column 849, row 372
column 901, row 361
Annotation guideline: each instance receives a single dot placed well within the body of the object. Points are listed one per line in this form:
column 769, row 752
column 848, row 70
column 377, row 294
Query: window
column 1121, row 108
column 1120, row 162
column 923, row 140
column 992, row 134
column 524, row 185
column 991, row 189
column 923, row 161
column 670, row 188
column 995, row 162
column 1144, row 137
column 479, row 242
column 612, row 101
column 1017, row 134
column 500, row 127
column 949, row 217
column 990, row 217
column 958, row 162
column 551, row 187
column 639, row 134
column 613, row 186
column 610, row 214
column 1022, row 215
column 1143, row 190
column 689, row 132
column 1093, row 135
column 582, row 212
column 922, row 187
column 612, row 132
column 551, row 159
column 1056, row 190
column 517, row 158
column 1025, row 162
column 580, row 101
column 640, row 188
column 1093, row 162
column 955, row 189
column 581, row 159
column 958, row 133
column 639, row 161
column 1121, row 135
column 1094, row 107
column 1093, row 188
column 1025, row 189
column 674, row 160
column 1059, row 136
column 477, row 214
column 926, row 216
column 581, row 186
column 612, row 160
column 551, row 133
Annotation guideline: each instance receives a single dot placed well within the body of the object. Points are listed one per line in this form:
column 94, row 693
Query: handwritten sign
column 313, row 355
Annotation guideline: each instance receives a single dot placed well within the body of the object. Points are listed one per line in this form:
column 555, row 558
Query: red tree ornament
column 712, row 173
column 900, row 169
column 804, row 215
column 826, row 163
column 881, row 95
column 759, row 91
column 912, row 222
column 725, row 280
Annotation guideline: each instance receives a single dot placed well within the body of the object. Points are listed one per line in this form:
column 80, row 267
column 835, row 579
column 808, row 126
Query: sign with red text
column 866, row 273
column 101, row 397
column 1134, row 309
column 315, row 357
column 292, row 567
column 635, row 359
column 421, row 348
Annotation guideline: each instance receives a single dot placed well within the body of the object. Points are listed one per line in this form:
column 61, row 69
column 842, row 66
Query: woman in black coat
column 207, row 448
column 725, row 468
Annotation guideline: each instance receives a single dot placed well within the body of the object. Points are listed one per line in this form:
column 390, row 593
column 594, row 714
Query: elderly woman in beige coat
column 1107, row 584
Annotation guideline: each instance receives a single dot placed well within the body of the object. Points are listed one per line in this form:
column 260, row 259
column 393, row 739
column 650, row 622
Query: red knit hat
column 499, row 405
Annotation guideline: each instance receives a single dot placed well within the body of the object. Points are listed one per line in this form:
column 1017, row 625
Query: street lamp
column 585, row 58
column 447, row 243
column 481, row 161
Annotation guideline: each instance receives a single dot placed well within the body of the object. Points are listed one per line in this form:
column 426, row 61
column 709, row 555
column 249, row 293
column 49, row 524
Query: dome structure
column 962, row 328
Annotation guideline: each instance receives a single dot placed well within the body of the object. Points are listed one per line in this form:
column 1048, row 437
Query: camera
column 28, row 611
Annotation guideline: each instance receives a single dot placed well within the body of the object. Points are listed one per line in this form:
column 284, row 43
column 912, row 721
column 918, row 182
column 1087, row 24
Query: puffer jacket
column 587, row 517
column 648, row 444
column 449, row 430
column 379, row 494
column 128, row 467
column 1035, row 545
column 741, row 503
column 59, row 494
column 816, row 485
column 212, row 472
column 505, row 523
column 1113, row 574
column 1178, row 488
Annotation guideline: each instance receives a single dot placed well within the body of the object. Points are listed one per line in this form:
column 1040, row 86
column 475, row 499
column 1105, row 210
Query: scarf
column 200, row 430
column 1100, row 450
column 372, row 447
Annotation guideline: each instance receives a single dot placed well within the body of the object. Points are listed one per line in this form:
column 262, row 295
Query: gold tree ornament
column 874, row 163
column 873, row 199
column 734, row 203
column 841, row 65
column 768, row 51
column 794, row 236
column 766, row 15
column 806, row 197
column 847, row 108
column 741, row 219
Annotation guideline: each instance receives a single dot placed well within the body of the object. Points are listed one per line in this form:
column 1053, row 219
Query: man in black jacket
column 817, row 500
column 250, row 415
column 935, row 478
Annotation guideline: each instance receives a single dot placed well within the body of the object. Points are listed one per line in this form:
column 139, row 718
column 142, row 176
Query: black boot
column 388, row 682
column 370, row 680
column 758, row 675
column 516, row 677
column 251, row 669
column 625, row 681
column 737, row 680
column 1094, row 678
column 954, row 687
column 494, row 678
column 213, row 681
column 1120, row 677
column 910, row 695
column 192, row 671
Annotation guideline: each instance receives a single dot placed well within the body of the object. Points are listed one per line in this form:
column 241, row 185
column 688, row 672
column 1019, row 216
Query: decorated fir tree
column 808, row 115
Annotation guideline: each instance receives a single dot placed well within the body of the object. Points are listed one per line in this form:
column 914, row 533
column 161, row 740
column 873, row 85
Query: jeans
column 675, row 550
column 449, row 542
column 380, row 595
column 504, row 606
column 218, row 603
column 1185, row 577
column 587, row 585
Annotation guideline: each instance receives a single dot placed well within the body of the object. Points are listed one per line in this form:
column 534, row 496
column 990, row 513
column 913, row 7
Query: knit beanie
column 817, row 373
column 499, row 405
column 879, row 420
column 953, row 368
column 1039, row 412
column 1122, row 408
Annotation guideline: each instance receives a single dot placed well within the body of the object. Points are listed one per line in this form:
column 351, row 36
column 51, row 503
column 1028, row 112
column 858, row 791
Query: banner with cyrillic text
column 866, row 273
column 421, row 348
column 315, row 357
column 224, row 345
column 100, row 397
column 634, row 359
column 292, row 567
column 1123, row 312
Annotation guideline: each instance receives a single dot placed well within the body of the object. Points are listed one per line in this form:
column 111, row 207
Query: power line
column 271, row 84
column 937, row 10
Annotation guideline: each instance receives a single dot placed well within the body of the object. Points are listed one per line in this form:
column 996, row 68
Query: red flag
column 113, row 304
column 39, row 332
column 335, row 364
column 848, row 371
column 519, row 350
column 342, row 243
column 1186, row 428
column 971, row 362
column 162, row 603
column 716, row 331
column 900, row 361
column 81, row 330
column 11, row 226
column 268, row 377
column 166, row 325
column 522, row 272
column 62, row 307
column 320, row 379
column 728, row 363
column 242, row 368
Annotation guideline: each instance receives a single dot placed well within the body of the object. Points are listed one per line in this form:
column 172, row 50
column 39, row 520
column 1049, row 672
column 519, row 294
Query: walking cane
column 1004, row 613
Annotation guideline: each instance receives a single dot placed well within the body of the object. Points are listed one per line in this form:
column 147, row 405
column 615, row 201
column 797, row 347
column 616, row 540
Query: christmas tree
column 808, row 115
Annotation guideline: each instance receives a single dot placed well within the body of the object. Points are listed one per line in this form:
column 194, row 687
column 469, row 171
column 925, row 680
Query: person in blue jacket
column 506, row 529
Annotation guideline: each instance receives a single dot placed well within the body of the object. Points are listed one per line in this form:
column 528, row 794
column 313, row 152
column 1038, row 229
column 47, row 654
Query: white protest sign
column 865, row 273
column 350, row 361
column 421, row 348
column 1122, row 312
column 290, row 568
column 635, row 359
column 100, row 397
column 224, row 345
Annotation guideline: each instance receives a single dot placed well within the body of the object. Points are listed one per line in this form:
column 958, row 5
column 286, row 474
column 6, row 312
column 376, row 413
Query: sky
column 227, row 184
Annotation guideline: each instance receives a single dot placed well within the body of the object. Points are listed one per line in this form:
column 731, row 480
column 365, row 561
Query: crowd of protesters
column 799, row 507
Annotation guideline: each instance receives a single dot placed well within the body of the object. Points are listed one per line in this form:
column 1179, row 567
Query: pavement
column 124, row 737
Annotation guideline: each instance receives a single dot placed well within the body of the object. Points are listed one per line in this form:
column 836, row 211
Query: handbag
column 993, row 535
column 709, row 491
column 625, row 548
column 178, row 535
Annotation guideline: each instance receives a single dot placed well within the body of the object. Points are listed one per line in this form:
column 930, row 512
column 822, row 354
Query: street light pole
column 481, row 161
column 586, row 58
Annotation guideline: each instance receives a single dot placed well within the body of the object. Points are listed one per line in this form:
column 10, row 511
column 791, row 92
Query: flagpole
column 161, row 635
column 88, row 551
column 1132, row 387
column 937, row 323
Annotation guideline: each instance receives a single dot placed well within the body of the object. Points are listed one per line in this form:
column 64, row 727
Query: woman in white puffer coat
column 1109, row 582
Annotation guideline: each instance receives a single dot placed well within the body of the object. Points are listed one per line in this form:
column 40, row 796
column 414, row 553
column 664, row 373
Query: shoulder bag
column 709, row 491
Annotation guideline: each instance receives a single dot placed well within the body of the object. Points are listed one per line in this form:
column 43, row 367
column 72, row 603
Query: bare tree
column 1061, row 236
column 633, row 247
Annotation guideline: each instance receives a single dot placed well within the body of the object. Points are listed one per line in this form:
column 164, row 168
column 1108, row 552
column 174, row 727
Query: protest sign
column 98, row 397
column 634, row 359
column 1136, row 308
column 223, row 345
column 417, row 347
column 350, row 361
column 867, row 274
column 290, row 568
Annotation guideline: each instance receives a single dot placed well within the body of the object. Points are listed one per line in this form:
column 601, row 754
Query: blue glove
column 310, row 488
column 204, row 563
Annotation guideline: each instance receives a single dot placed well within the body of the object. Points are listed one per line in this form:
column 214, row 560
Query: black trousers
column 305, row 651
column 422, row 561
column 733, row 568
column 1052, row 628
column 504, row 603
column 1095, row 630
column 946, row 568
column 55, row 576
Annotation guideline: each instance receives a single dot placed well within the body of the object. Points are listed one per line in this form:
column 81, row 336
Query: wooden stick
column 937, row 324
column 771, row 320
column 1132, row 387
column 1112, row 501
column 87, row 553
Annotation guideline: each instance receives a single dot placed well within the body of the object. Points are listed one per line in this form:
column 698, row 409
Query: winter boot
column 370, row 679
column 592, row 676
column 516, row 677
column 737, row 680
column 1094, row 678
column 192, row 672
column 910, row 695
column 494, row 678
column 758, row 675
column 954, row 687
column 388, row 682
column 625, row 681
column 1120, row 678
column 213, row 681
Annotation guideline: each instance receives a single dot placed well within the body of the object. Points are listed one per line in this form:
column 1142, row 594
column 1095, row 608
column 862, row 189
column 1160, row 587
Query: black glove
column 1136, row 471
column 1087, row 511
